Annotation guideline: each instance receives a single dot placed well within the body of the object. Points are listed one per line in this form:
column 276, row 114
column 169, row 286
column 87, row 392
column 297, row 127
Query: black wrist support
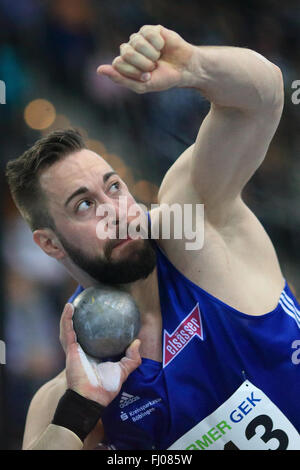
column 77, row 413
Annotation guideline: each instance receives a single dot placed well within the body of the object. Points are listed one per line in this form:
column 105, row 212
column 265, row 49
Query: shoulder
column 42, row 408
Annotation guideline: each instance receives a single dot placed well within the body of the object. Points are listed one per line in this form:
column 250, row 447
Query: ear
column 49, row 243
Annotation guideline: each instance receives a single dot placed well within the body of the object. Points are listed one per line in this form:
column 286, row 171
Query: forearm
column 74, row 419
column 157, row 59
column 57, row 438
column 235, row 77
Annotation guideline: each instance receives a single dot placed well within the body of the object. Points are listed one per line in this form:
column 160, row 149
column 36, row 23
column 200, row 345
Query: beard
column 103, row 269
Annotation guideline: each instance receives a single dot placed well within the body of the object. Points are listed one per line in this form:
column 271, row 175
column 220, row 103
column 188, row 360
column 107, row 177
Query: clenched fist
column 154, row 59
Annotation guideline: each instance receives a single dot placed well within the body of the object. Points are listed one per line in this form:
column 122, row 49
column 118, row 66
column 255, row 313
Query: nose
column 129, row 218
column 113, row 213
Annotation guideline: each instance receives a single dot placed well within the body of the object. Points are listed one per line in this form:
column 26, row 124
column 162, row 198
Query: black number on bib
column 230, row 446
column 267, row 423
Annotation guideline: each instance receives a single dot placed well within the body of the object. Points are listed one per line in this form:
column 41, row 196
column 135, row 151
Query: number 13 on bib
column 248, row 420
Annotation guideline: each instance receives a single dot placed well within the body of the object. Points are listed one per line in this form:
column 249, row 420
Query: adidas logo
column 127, row 399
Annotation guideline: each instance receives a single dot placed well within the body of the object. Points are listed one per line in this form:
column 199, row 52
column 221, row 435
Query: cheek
column 137, row 217
column 135, row 209
column 85, row 238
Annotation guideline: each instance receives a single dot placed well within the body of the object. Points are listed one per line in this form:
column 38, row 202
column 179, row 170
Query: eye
column 115, row 187
column 83, row 206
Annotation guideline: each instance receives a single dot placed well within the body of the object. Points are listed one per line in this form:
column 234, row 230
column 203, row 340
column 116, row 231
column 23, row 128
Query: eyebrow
column 84, row 189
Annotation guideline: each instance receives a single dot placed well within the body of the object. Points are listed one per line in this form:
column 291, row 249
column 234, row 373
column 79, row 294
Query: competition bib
column 248, row 420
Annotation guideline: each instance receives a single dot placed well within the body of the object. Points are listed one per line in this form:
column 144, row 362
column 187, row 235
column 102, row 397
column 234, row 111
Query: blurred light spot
column 96, row 146
column 145, row 191
column 39, row 114
column 73, row 14
column 114, row 161
column 126, row 175
column 83, row 132
column 121, row 168
column 60, row 122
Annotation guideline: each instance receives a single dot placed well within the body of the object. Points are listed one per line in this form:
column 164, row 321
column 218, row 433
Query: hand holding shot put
column 82, row 392
column 95, row 380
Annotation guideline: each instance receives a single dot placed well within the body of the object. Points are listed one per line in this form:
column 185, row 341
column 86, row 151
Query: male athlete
column 212, row 367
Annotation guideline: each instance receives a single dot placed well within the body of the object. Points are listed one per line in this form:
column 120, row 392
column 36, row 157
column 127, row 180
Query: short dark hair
column 23, row 174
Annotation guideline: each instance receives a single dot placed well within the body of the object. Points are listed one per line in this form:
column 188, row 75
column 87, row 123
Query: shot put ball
column 106, row 320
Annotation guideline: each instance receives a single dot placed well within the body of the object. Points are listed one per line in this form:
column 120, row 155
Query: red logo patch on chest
column 175, row 342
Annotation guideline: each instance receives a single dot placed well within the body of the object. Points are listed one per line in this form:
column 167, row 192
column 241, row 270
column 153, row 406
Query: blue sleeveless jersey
column 209, row 350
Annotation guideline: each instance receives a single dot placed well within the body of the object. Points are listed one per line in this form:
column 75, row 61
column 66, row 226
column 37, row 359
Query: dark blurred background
column 49, row 51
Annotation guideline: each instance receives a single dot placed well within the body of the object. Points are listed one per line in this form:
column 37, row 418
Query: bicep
column 230, row 146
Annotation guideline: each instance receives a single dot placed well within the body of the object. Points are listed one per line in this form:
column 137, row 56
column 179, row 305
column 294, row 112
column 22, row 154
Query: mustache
column 144, row 233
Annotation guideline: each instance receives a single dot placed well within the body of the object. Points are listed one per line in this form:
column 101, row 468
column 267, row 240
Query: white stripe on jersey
column 289, row 307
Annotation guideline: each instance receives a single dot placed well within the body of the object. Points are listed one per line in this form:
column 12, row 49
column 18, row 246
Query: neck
column 144, row 291
column 79, row 275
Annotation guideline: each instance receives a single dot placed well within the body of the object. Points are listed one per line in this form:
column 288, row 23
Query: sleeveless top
column 227, row 380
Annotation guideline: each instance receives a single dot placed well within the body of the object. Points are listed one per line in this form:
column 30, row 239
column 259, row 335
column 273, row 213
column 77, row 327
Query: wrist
column 192, row 72
column 90, row 394
column 77, row 413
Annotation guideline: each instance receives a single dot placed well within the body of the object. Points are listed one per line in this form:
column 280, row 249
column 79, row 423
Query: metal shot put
column 105, row 321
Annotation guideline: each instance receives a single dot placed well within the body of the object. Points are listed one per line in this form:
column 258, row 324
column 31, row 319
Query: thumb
column 132, row 360
column 110, row 72
column 135, row 85
column 133, row 350
column 107, row 70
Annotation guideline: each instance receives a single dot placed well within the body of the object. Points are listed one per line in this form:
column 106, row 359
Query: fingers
column 132, row 71
column 140, row 44
column 67, row 333
column 132, row 56
column 138, row 57
column 142, row 51
column 153, row 36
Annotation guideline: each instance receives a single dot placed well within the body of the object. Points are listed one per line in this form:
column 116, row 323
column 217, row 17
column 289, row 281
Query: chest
column 150, row 334
column 157, row 405
column 236, row 263
column 242, row 274
column 151, row 339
